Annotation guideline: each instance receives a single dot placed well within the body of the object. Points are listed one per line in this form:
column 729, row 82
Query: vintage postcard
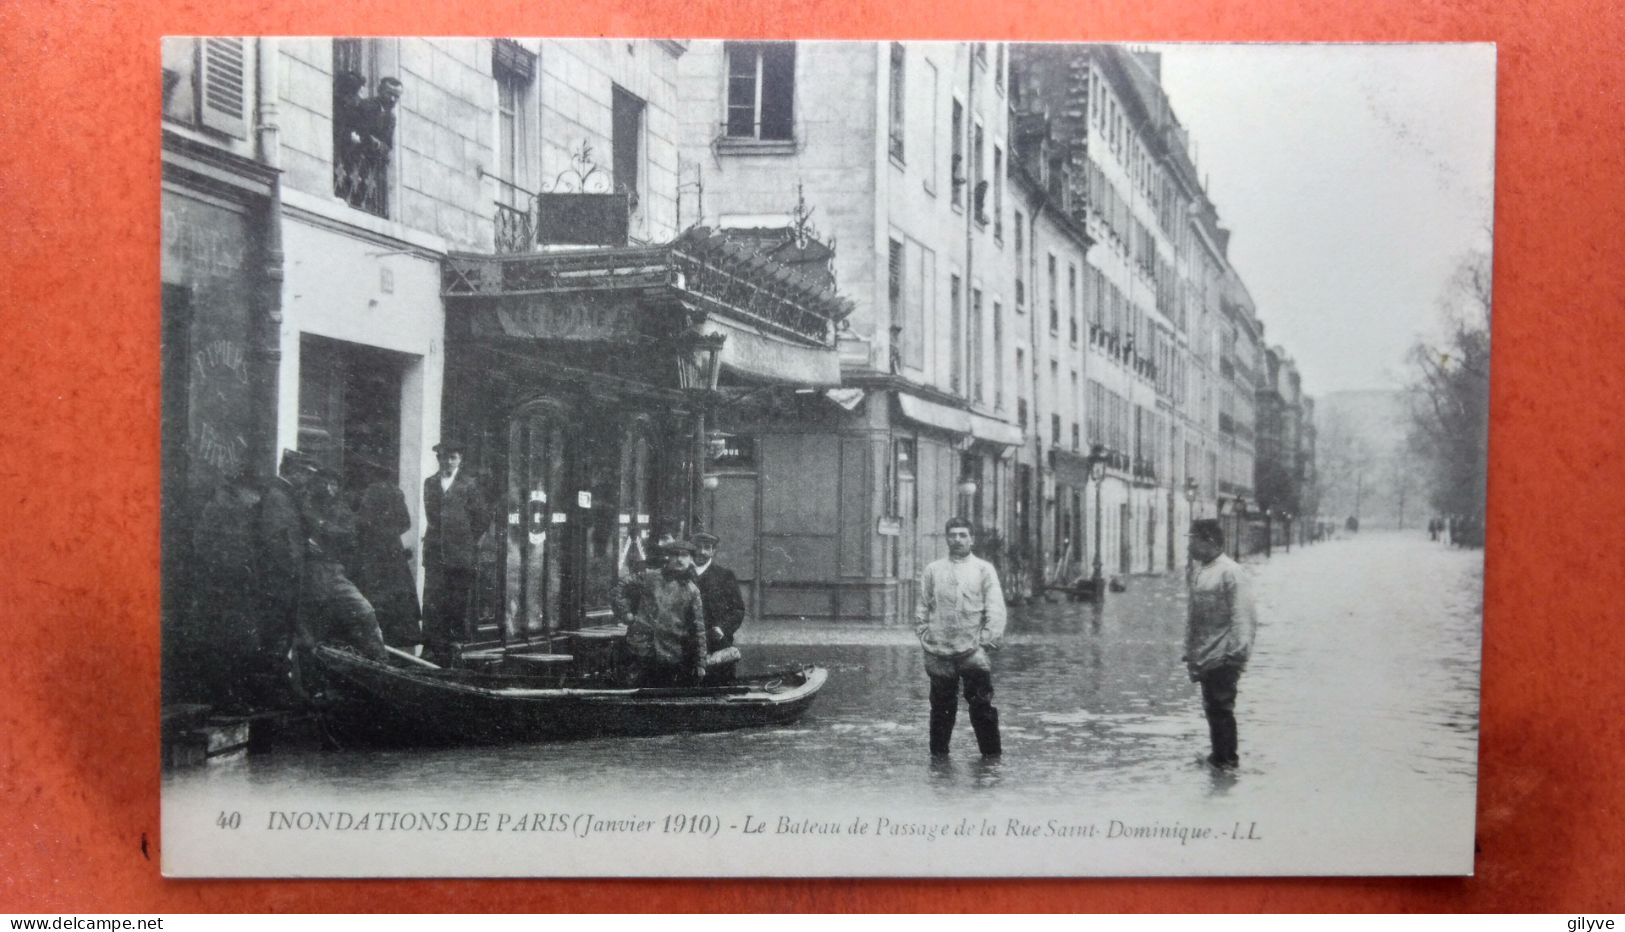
column 711, row 458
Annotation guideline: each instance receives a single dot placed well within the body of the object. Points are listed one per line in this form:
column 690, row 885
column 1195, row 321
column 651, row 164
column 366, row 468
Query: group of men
column 681, row 617
column 327, row 574
column 960, row 619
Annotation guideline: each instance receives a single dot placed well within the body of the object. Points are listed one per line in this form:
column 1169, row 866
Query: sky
column 1353, row 178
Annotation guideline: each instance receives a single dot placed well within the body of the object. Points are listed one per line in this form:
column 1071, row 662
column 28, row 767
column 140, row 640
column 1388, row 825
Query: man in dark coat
column 455, row 518
column 382, row 568
column 282, row 539
column 724, row 606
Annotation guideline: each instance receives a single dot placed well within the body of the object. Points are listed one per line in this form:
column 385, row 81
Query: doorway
column 584, row 493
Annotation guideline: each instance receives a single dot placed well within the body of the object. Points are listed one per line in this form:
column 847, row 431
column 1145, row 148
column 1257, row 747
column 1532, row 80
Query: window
column 364, row 99
column 976, row 356
column 998, row 356
column 1055, row 402
column 979, row 167
column 514, row 69
column 998, row 66
column 894, row 292
column 206, row 84
column 897, row 114
column 626, row 144
column 1072, row 300
column 956, row 168
column 1021, row 263
column 1021, row 387
column 998, row 192
column 956, row 325
column 1075, row 400
column 761, row 90
column 1054, row 306
column 1097, row 396
column 931, row 156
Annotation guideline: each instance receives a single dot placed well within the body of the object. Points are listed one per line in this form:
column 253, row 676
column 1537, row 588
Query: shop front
column 581, row 383
column 217, row 372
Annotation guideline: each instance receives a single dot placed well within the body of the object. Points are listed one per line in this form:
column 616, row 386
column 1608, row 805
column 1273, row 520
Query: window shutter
column 225, row 86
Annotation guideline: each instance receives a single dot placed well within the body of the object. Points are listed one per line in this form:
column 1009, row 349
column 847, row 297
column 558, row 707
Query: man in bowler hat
column 1220, row 626
column 455, row 516
column 724, row 607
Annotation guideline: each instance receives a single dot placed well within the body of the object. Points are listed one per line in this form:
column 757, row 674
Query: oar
column 414, row 658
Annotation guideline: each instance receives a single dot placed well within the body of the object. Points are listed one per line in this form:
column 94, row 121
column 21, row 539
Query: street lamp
column 1097, row 472
column 1269, row 533
column 1289, row 532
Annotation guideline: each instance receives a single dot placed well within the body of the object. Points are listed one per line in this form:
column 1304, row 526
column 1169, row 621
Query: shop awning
column 761, row 357
column 958, row 420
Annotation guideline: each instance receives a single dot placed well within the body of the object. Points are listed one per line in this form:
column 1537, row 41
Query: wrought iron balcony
column 361, row 178
column 700, row 266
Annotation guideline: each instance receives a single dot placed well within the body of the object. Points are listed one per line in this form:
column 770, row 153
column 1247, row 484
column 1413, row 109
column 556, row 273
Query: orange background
column 79, row 463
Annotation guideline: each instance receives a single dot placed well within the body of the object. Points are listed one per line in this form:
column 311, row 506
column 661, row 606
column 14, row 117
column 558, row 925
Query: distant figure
column 382, row 567
column 1220, row 625
column 665, row 620
column 724, row 607
column 960, row 617
column 454, row 518
column 1352, row 525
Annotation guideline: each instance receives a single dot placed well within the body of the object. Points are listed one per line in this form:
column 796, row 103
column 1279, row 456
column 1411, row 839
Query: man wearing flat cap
column 665, row 620
column 724, row 607
column 1220, row 626
column 454, row 518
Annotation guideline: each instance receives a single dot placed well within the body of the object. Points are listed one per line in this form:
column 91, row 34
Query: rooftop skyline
column 1353, row 179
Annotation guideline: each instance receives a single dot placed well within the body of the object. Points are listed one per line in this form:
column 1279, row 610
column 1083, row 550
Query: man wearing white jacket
column 959, row 619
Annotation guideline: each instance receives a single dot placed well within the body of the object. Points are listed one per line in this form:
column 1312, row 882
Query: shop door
column 532, row 594
column 594, row 539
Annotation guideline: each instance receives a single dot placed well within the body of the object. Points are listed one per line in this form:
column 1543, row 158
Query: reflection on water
column 1364, row 681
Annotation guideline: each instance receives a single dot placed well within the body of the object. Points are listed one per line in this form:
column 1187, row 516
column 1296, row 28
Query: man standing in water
column 1219, row 634
column 959, row 619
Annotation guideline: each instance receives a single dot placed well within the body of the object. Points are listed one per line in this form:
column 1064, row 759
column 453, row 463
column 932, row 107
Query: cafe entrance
column 587, row 484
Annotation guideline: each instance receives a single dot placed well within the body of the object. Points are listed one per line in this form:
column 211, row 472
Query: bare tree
column 1449, row 430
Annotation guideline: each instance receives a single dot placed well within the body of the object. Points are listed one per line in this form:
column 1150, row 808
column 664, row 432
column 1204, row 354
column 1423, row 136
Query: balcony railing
column 703, row 267
column 361, row 179
column 524, row 219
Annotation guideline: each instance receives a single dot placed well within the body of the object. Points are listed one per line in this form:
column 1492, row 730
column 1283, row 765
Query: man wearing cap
column 959, row 618
column 282, row 538
column 454, row 518
column 665, row 620
column 1219, row 633
column 724, row 607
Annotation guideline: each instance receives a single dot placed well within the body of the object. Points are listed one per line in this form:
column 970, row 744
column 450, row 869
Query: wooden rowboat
column 363, row 701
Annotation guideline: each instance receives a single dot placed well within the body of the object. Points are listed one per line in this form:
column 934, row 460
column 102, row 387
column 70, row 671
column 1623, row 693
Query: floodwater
column 1360, row 704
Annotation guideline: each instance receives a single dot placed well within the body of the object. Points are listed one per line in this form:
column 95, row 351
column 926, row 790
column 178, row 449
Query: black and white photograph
column 717, row 458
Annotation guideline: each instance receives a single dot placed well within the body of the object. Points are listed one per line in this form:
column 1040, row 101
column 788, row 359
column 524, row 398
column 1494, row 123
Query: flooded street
column 1358, row 712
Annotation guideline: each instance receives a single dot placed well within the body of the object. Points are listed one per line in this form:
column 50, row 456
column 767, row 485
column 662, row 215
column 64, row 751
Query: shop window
column 761, row 90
